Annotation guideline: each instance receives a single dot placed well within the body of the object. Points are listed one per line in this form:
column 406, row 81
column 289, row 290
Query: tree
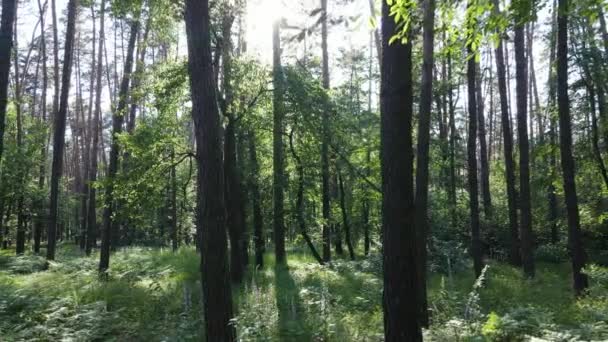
column 278, row 163
column 345, row 223
column 59, row 125
column 109, row 225
column 95, row 132
column 483, row 148
column 521, row 90
column 401, row 297
column 424, row 132
column 514, row 255
column 472, row 143
column 210, row 192
column 232, row 181
column 300, row 202
column 325, row 141
column 9, row 7
column 258, row 218
column 43, row 150
column 575, row 244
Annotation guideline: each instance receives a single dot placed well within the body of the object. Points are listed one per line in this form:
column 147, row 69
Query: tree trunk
column 597, row 154
column 278, row 163
column 79, row 143
column 173, row 203
column 483, row 148
column 60, row 123
column 20, row 238
column 258, row 218
column 514, row 254
column 552, row 94
column 43, row 151
column 139, row 70
column 472, row 155
column 234, row 202
column 109, row 226
column 325, row 141
column 376, row 33
column 575, row 242
column 9, row 8
column 422, row 167
column 55, row 58
column 232, row 181
column 87, row 153
column 521, row 89
column 603, row 29
column 345, row 223
column 211, row 209
column 366, row 207
column 401, row 297
column 96, row 132
column 453, row 135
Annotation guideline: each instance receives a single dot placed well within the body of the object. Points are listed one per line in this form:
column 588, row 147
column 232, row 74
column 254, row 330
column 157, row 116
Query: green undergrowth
column 154, row 295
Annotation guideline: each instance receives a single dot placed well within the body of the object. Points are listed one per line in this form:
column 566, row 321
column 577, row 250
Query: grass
column 154, row 295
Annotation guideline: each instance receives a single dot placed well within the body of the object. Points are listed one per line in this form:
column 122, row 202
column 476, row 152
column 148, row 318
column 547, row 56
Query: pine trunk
column 9, row 8
column 59, row 124
column 211, row 209
column 401, row 297
column 109, row 231
column 422, row 167
column 278, row 163
column 325, row 141
column 575, row 243
column 514, row 251
column 521, row 89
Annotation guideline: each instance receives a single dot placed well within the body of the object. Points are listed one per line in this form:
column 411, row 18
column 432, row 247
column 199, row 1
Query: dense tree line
column 437, row 129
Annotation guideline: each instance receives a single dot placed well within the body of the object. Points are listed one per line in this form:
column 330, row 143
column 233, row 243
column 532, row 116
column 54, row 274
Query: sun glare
column 261, row 14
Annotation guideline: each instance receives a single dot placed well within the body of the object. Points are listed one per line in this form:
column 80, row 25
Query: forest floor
column 154, row 295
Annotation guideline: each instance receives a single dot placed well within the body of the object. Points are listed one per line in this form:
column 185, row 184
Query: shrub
column 554, row 253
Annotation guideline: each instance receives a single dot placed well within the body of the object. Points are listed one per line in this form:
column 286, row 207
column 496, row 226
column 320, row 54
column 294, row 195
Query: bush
column 554, row 253
column 26, row 264
column 448, row 257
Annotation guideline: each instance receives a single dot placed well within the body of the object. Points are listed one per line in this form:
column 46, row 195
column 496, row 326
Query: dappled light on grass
column 155, row 295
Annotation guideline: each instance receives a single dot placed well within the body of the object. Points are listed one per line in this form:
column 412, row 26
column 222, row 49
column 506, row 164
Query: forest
column 307, row 170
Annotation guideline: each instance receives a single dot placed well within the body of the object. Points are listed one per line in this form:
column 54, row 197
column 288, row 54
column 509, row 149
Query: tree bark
column 483, row 148
column 453, row 134
column 472, row 154
column 345, row 223
column 20, row 238
column 521, row 89
column 232, row 180
column 211, row 208
column 278, row 163
column 575, row 243
column 139, row 70
column 514, row 251
column 401, row 297
column 325, row 141
column 9, row 8
column 422, row 167
column 38, row 223
column 60, row 123
column 96, row 132
column 551, row 103
column 258, row 218
column 597, row 154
